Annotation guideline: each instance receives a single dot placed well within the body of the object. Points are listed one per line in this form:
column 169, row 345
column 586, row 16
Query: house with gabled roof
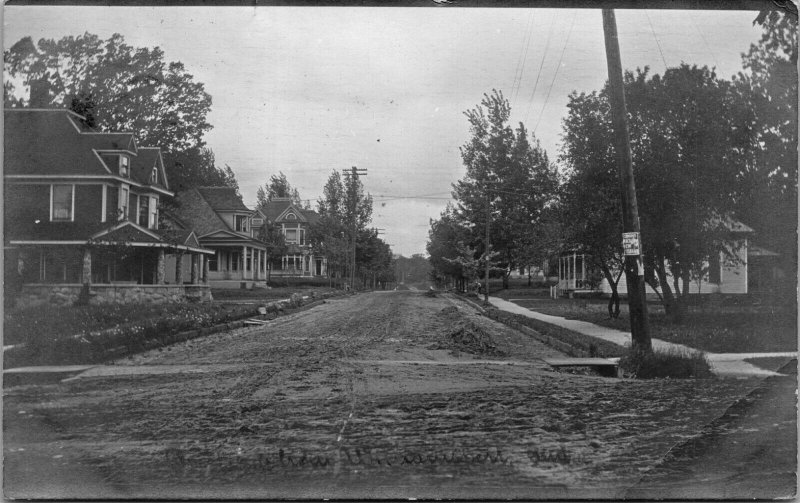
column 81, row 208
column 225, row 225
column 294, row 222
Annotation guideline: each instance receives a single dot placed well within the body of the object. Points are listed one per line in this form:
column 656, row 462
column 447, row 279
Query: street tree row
column 706, row 152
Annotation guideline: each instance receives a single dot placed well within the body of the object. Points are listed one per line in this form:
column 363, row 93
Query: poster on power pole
column 631, row 244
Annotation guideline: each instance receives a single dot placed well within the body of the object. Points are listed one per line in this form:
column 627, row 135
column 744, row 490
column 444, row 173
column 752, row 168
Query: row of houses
column 83, row 217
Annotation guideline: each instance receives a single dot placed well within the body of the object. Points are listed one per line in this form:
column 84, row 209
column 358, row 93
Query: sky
column 310, row 90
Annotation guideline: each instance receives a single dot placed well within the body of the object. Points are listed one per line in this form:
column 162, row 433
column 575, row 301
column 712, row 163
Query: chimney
column 40, row 93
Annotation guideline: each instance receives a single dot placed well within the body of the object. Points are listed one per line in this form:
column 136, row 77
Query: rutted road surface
column 377, row 395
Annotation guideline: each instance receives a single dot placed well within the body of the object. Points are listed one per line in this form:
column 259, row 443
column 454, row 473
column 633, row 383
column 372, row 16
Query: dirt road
column 377, row 395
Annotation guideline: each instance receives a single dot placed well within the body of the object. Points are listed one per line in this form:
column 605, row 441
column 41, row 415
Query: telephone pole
column 355, row 173
column 486, row 248
column 634, row 268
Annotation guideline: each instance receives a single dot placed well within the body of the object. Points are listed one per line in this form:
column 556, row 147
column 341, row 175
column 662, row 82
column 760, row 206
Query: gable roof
column 223, row 199
column 277, row 209
column 195, row 212
column 142, row 167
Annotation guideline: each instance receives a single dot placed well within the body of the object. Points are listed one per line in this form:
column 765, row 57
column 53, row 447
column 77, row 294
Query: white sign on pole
column 630, row 243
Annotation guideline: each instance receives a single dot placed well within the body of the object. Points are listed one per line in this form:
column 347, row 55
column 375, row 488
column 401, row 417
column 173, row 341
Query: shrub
column 676, row 364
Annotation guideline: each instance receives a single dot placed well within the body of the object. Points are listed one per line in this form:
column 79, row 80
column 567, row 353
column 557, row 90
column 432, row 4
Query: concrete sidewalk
column 722, row 364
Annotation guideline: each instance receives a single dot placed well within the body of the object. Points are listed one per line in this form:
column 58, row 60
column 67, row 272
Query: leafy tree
column 278, row 186
column 121, row 88
column 516, row 175
column 449, row 255
column 768, row 199
column 272, row 236
column 346, row 211
column 689, row 141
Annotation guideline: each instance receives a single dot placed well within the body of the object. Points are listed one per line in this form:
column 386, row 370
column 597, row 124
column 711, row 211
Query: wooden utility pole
column 486, row 248
column 354, row 172
column 634, row 268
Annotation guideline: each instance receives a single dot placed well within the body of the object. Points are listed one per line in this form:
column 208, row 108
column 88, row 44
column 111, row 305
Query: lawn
column 719, row 329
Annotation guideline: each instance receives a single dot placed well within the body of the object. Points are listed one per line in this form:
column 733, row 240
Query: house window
column 235, row 257
column 62, row 202
column 302, row 236
column 240, row 223
column 291, row 235
column 144, row 210
column 291, row 216
column 154, row 176
column 212, row 262
column 124, row 166
column 123, row 202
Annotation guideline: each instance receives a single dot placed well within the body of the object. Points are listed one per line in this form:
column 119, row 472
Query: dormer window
column 154, row 176
column 291, row 216
column 240, row 223
column 124, row 166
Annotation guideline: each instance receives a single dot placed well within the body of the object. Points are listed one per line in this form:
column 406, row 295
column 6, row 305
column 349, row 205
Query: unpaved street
column 376, row 395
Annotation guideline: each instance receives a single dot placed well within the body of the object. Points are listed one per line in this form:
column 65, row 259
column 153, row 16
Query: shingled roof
column 196, row 211
column 222, row 198
column 51, row 142
column 276, row 207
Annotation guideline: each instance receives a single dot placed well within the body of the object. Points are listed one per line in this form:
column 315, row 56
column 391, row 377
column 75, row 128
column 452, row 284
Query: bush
column 676, row 364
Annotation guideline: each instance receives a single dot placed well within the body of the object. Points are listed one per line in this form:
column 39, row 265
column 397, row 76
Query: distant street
column 392, row 394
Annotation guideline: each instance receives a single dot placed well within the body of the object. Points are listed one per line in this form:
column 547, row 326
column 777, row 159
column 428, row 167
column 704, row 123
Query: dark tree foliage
column 691, row 137
column 768, row 196
column 278, row 186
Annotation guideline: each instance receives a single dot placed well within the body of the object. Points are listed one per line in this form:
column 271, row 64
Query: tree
column 768, row 199
column 278, row 186
column 689, row 140
column 120, row 88
column 507, row 172
column 590, row 214
column 345, row 212
column 450, row 256
column 272, row 236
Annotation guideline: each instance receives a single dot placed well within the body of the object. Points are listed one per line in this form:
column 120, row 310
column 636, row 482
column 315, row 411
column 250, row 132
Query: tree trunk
column 613, row 302
column 506, row 275
column 670, row 305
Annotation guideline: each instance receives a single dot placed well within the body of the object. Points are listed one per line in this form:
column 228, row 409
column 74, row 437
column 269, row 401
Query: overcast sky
column 310, row 90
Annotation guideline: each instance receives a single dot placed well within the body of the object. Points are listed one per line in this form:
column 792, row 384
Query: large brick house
column 82, row 208
column 225, row 225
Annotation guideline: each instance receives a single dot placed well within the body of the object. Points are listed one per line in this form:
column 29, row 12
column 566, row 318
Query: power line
column 521, row 68
column 560, row 58
column 653, row 31
column 541, row 65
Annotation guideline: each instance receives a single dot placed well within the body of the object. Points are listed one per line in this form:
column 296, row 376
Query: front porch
column 105, row 273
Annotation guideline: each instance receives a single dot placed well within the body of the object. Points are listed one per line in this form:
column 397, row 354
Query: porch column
column 86, row 272
column 244, row 262
column 205, row 269
column 193, row 273
column 161, row 267
column 179, row 268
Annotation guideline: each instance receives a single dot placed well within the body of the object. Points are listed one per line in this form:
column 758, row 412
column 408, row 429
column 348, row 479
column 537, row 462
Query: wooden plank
column 578, row 362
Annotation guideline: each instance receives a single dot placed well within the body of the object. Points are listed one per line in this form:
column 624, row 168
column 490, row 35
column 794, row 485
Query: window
column 62, row 202
column 291, row 235
column 123, row 202
column 235, row 257
column 144, row 210
column 291, row 216
column 240, row 223
column 302, row 236
column 124, row 166
column 154, row 176
column 212, row 262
